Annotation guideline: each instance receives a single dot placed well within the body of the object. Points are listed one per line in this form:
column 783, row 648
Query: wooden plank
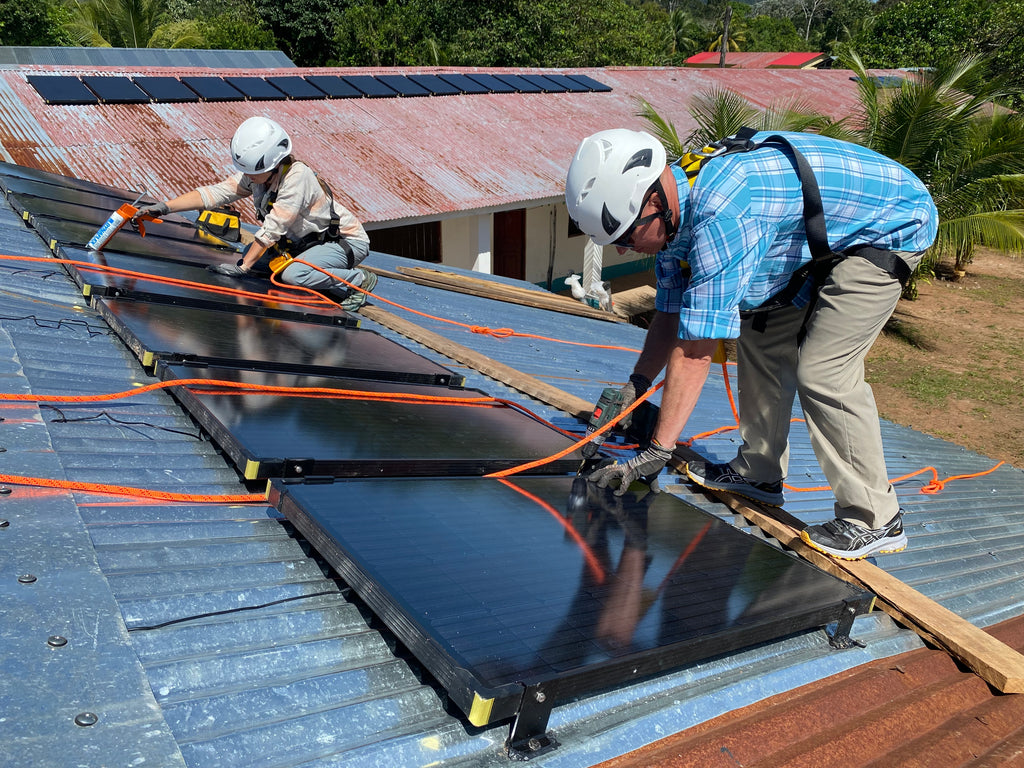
column 995, row 662
column 474, row 286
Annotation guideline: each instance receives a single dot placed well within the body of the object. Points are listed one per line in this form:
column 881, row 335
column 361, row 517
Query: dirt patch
column 950, row 363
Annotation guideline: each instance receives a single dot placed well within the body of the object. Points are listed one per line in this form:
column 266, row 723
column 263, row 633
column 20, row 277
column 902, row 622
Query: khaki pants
column 827, row 373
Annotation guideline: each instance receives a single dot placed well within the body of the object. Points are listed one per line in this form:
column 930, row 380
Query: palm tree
column 116, row 23
column 946, row 126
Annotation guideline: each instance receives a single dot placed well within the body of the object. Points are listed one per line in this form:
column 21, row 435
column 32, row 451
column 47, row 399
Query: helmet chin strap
column 665, row 214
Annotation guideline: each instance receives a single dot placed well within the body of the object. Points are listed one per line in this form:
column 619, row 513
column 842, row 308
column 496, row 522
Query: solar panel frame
column 115, row 90
column 589, row 82
column 464, row 83
column 445, row 563
column 545, row 83
column 570, row 85
column 335, row 86
column 520, row 84
column 403, row 85
column 436, row 84
column 491, row 82
column 166, row 90
column 256, row 88
column 296, row 88
column 370, row 86
column 267, row 436
column 63, row 90
column 213, row 88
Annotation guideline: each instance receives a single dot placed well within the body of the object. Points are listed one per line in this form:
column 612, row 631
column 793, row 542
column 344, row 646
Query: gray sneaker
column 722, row 477
column 357, row 298
column 848, row 541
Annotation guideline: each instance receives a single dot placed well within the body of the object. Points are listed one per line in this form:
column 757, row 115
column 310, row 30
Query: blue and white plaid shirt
column 742, row 227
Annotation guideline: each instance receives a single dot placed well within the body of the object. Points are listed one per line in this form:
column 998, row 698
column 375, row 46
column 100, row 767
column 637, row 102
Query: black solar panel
column 116, row 90
column 590, row 83
column 12, row 171
column 492, row 83
column 520, row 84
column 465, row 83
column 567, row 83
column 403, row 85
column 163, row 332
column 256, row 88
column 545, row 83
column 366, row 436
column 166, row 90
column 334, row 86
column 62, row 89
column 370, row 86
column 213, row 89
column 77, row 233
column 296, row 87
column 436, row 85
column 519, row 595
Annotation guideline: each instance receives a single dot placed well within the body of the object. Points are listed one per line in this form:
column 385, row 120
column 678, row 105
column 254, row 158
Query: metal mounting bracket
column 528, row 735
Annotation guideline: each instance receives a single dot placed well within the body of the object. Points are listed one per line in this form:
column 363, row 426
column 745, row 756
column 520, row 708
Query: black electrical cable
column 210, row 614
column 63, row 419
column 58, row 324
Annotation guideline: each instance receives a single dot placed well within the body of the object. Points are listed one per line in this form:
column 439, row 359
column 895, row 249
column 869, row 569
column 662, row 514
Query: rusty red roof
column 388, row 160
column 756, row 60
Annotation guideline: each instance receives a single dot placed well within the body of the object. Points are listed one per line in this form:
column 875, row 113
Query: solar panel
column 517, row 595
column 10, row 172
column 165, row 90
column 272, row 436
column 437, row 85
column 521, row 85
column 334, row 86
column 213, row 89
column 590, row 82
column 465, row 83
column 493, row 84
column 256, row 88
column 370, row 86
column 276, row 304
column 128, row 240
column 116, row 90
column 403, row 85
column 199, row 336
column 296, row 87
column 62, row 89
column 567, row 83
column 545, row 83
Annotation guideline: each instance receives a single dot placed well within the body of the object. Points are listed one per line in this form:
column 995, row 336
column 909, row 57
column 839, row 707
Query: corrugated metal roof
column 755, row 60
column 387, row 159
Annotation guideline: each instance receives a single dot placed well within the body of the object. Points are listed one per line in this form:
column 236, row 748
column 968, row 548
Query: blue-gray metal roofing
column 141, row 57
column 314, row 680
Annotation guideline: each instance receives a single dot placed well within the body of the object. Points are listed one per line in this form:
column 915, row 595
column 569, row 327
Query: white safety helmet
column 259, row 145
column 608, row 180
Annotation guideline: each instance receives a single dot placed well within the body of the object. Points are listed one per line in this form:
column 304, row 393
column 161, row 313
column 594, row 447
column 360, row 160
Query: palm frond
column 662, row 129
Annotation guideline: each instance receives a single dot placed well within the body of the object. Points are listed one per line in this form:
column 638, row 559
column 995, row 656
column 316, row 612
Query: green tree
column 117, row 23
column 35, row 23
column 765, row 33
column 218, row 24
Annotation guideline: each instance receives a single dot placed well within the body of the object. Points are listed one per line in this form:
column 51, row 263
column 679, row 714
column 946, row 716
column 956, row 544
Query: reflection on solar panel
column 256, row 88
column 370, row 86
column 273, row 436
column 213, row 89
column 435, row 84
column 62, row 89
column 403, row 85
column 493, row 84
column 296, row 87
column 334, row 86
column 520, row 84
column 166, row 89
column 13, row 171
column 14, row 185
column 226, row 339
column 590, row 82
column 273, row 304
column 116, row 90
column 465, row 83
column 519, row 594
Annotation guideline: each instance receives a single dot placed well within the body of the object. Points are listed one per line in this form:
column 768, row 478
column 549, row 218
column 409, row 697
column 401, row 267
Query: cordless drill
column 608, row 408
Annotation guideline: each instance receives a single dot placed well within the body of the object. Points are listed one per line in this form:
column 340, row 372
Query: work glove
column 156, row 210
column 645, row 466
column 230, row 270
column 637, row 385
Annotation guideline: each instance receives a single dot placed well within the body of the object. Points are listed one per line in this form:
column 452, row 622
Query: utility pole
column 725, row 36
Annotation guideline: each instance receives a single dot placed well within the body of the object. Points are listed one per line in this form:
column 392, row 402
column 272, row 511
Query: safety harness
column 288, row 248
column 823, row 258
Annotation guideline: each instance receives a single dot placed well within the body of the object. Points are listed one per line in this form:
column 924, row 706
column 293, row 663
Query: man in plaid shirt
column 729, row 232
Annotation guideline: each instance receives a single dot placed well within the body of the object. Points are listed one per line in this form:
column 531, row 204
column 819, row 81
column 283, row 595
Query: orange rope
column 142, row 493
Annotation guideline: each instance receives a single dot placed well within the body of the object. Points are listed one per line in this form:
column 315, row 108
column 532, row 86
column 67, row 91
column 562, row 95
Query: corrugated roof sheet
column 387, row 159
column 755, row 60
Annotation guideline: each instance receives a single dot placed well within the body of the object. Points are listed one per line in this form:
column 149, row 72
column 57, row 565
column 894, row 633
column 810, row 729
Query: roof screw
column 86, row 719
column 5, row 491
column 540, row 696
column 56, row 641
column 298, row 469
column 533, row 745
column 26, row 578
